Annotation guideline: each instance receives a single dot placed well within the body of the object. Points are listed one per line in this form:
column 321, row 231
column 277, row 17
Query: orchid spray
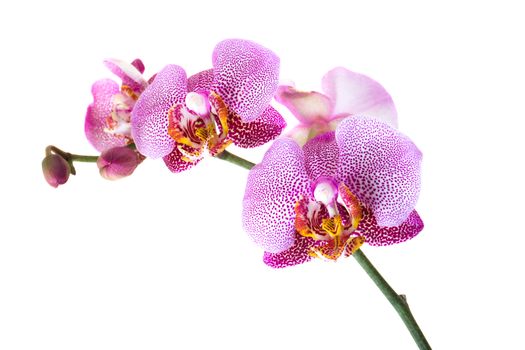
column 344, row 177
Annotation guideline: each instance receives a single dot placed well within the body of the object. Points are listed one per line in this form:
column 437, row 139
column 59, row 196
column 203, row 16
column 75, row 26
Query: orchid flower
column 107, row 122
column 357, row 184
column 345, row 93
column 178, row 118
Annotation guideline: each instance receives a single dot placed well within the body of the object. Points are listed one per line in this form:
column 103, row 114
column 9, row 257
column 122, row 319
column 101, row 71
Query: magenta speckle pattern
column 201, row 82
column 272, row 189
column 295, row 255
column 265, row 128
column 321, row 156
column 381, row 167
column 149, row 119
column 246, row 76
column 176, row 164
column 379, row 236
column 97, row 112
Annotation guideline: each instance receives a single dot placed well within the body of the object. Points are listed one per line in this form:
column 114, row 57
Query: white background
column 160, row 261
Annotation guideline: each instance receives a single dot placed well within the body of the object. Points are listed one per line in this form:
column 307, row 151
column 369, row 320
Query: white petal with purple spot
column 381, row 167
column 246, row 75
column 273, row 188
column 149, row 119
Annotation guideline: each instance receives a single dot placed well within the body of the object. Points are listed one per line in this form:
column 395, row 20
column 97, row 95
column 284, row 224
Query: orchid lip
column 118, row 122
column 199, row 124
column 331, row 217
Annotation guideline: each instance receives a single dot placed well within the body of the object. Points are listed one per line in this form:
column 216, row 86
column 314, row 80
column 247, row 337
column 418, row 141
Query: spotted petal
column 176, row 163
column 321, row 156
column 307, row 107
column 379, row 236
column 245, row 76
column 357, row 94
column 129, row 73
column 97, row 112
column 267, row 127
column 273, row 188
column 381, row 167
column 297, row 254
column 149, row 119
column 201, row 82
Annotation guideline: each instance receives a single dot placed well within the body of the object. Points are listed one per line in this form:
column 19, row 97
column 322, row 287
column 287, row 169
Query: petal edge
column 265, row 128
column 149, row 118
column 356, row 94
column 381, row 166
column 272, row 189
column 245, row 76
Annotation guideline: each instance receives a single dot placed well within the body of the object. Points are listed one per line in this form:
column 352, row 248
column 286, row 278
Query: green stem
column 398, row 301
column 232, row 158
column 81, row 158
column 70, row 157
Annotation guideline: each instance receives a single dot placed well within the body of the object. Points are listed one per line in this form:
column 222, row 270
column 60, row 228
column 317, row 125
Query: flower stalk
column 398, row 301
column 70, row 157
column 234, row 159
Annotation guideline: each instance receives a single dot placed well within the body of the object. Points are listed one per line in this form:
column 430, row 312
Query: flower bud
column 118, row 162
column 56, row 170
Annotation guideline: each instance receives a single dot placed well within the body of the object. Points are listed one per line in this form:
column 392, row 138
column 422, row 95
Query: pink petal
column 273, row 188
column 246, row 76
column 307, row 107
column 295, row 255
column 176, row 164
column 130, row 75
column 137, row 63
column 321, row 156
column 377, row 236
column 267, row 127
column 201, row 82
column 357, row 94
column 97, row 112
column 149, row 118
column 381, row 167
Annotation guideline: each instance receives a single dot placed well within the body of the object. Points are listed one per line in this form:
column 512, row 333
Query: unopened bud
column 118, row 162
column 56, row 170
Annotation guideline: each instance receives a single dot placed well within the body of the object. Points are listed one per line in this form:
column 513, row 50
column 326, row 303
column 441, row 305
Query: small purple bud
column 56, row 170
column 118, row 162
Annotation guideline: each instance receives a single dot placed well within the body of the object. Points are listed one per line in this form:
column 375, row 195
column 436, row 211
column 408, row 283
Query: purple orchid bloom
column 345, row 93
column 107, row 121
column 178, row 118
column 357, row 184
